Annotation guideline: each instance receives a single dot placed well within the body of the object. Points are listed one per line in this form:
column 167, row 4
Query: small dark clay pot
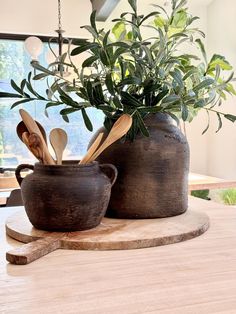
column 68, row 197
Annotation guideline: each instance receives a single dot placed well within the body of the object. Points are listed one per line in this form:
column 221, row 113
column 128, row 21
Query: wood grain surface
column 190, row 277
column 203, row 182
column 116, row 234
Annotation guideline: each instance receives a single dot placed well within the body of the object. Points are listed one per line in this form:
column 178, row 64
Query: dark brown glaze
column 153, row 172
column 68, row 197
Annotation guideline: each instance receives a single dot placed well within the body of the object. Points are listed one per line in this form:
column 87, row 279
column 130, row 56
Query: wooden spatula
column 58, row 139
column 92, row 149
column 119, row 129
column 33, row 128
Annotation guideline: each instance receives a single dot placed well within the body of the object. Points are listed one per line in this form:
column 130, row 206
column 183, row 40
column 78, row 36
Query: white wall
column 198, row 143
column 221, row 39
column 40, row 17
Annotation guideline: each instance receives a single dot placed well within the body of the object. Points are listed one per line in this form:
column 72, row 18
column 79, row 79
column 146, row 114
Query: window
column 15, row 64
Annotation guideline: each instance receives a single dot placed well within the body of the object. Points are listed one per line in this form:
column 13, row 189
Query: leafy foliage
column 228, row 196
column 127, row 73
column 204, row 194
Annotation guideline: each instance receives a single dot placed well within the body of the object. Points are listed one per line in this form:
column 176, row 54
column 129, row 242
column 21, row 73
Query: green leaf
column 190, row 73
column 119, row 44
column 105, row 39
column 16, row 88
column 39, row 67
column 9, row 95
column 173, row 116
column 52, row 104
column 70, row 102
column 208, row 123
column 40, row 76
column 88, row 62
column 66, row 111
column 177, row 76
column 104, row 57
column 220, row 122
column 130, row 81
column 159, row 97
column 129, row 100
column 184, row 110
column 230, row 117
column 90, row 30
column 204, row 84
column 148, row 16
column 133, row 4
column 21, row 102
column 93, row 21
column 117, row 102
column 117, row 53
column 22, row 86
column 218, row 60
column 119, row 29
column 87, row 121
column 142, row 125
column 109, row 84
column 65, row 118
column 171, row 99
column 80, row 41
column 83, row 48
column 180, row 19
column 159, row 21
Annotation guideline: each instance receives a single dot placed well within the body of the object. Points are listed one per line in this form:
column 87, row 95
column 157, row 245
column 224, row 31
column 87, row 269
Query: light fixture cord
column 59, row 15
column 60, row 39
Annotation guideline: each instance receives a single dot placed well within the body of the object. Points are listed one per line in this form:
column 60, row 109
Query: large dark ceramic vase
column 68, row 197
column 153, row 172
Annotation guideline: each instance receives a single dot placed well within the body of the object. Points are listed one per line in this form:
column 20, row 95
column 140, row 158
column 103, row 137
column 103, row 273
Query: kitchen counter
column 196, row 276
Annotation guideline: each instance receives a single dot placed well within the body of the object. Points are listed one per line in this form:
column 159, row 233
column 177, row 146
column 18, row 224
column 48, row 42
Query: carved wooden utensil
column 25, row 138
column 36, row 145
column 92, row 149
column 58, row 139
column 119, row 129
column 33, row 128
column 21, row 128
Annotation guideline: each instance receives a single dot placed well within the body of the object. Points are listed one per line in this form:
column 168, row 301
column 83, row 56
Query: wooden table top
column 202, row 182
column 196, row 276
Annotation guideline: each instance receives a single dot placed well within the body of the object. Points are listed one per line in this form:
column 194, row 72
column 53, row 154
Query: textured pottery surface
column 68, row 197
column 153, row 172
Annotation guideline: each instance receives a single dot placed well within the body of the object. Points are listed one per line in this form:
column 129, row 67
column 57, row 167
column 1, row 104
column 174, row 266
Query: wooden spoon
column 25, row 139
column 119, row 129
column 92, row 149
column 33, row 128
column 21, row 128
column 58, row 139
column 35, row 144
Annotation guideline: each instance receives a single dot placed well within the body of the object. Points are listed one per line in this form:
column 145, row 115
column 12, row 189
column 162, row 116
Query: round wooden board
column 116, row 234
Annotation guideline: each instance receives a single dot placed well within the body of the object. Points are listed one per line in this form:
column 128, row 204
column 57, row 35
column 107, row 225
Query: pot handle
column 19, row 169
column 110, row 171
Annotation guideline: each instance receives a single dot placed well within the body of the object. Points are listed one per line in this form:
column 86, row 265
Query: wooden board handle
column 32, row 251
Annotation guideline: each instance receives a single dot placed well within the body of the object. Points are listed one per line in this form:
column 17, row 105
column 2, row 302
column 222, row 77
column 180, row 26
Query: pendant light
column 34, row 46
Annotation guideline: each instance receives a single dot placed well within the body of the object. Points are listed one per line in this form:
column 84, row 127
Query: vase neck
column 159, row 118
